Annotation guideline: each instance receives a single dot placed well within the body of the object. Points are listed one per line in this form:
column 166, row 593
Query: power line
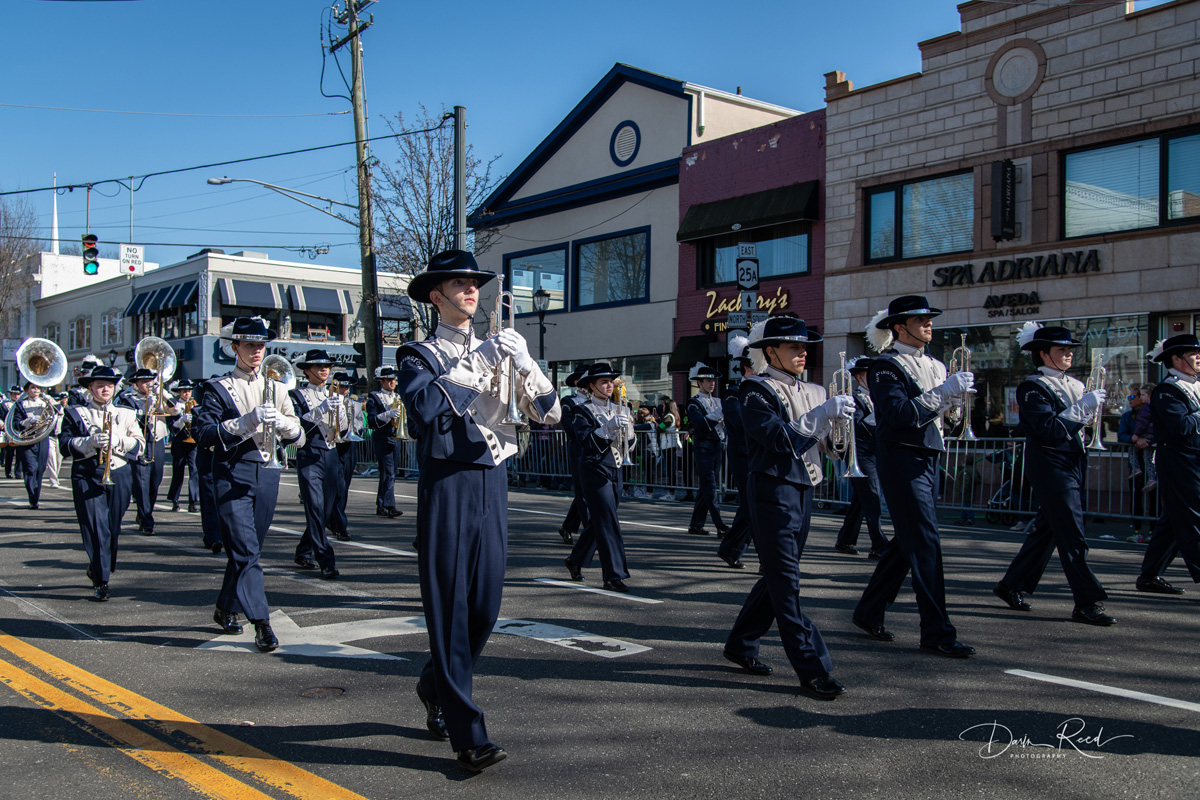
column 198, row 244
column 127, row 184
column 174, row 113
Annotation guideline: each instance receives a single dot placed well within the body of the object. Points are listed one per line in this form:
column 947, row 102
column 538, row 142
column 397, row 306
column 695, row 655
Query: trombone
column 275, row 369
column 42, row 363
column 842, row 438
column 1095, row 383
column 506, row 302
column 960, row 361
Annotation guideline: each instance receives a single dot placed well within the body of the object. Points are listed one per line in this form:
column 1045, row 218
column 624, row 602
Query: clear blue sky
column 519, row 67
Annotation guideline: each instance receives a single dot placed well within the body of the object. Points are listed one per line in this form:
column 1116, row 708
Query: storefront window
column 1112, row 189
column 1183, row 177
column 935, row 216
column 613, row 270
column 541, row 269
column 782, row 250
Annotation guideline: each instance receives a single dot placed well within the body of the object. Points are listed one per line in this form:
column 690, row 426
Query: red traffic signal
column 91, row 254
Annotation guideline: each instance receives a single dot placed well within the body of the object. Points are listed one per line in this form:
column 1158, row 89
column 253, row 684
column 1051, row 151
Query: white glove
column 958, row 384
column 513, row 345
column 389, row 415
column 187, row 419
column 260, row 415
column 329, row 404
column 98, row 441
column 490, row 351
column 615, row 426
column 839, row 406
column 1093, row 400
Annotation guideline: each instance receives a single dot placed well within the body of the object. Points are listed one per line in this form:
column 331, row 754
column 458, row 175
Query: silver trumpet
column 842, row 438
column 275, row 369
column 1095, row 383
column 960, row 361
column 506, row 302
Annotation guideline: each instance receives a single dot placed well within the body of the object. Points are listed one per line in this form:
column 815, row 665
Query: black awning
column 255, row 294
column 181, row 295
column 688, row 350
column 758, row 210
column 138, row 303
column 321, row 301
column 395, row 306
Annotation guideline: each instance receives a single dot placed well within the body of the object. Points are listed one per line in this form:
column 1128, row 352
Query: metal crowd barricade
column 984, row 478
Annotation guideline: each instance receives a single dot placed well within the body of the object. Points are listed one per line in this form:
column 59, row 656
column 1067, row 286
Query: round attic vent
column 625, row 142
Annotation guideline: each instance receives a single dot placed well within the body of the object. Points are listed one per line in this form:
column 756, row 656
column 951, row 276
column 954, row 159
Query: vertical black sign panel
column 1004, row 200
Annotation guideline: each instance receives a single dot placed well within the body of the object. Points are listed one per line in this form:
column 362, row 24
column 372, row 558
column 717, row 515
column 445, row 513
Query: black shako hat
column 142, row 374
column 315, row 358
column 900, row 309
column 1050, row 336
column 344, row 378
column 576, row 374
column 859, row 364
column 100, row 373
column 1177, row 346
column 702, row 371
column 249, row 329
column 183, row 385
column 386, row 373
column 595, row 372
column 445, row 265
column 784, row 329
column 15, row 388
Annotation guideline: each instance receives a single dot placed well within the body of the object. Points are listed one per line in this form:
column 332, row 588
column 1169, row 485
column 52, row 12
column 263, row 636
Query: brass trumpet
column 1095, row 383
column 842, row 438
column 506, row 302
column 960, row 361
column 106, row 453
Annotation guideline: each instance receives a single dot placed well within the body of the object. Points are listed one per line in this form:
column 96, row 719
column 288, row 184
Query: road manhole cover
column 322, row 692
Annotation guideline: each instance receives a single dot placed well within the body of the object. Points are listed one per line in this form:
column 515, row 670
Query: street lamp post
column 541, row 303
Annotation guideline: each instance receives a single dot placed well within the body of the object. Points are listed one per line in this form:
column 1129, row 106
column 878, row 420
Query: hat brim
column 422, row 284
column 812, row 338
column 1042, row 344
column 1177, row 350
column 307, row 364
column 586, row 379
column 89, row 380
column 891, row 319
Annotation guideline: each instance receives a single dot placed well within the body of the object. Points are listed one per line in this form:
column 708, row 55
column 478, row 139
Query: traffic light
column 90, row 253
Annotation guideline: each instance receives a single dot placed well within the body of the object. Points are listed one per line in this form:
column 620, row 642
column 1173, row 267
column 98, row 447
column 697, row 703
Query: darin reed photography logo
column 1072, row 736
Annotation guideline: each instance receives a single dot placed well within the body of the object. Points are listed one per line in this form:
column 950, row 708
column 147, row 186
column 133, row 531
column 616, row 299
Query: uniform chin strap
column 460, row 309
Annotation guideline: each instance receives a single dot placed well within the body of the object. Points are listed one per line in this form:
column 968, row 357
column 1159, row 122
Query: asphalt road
column 593, row 694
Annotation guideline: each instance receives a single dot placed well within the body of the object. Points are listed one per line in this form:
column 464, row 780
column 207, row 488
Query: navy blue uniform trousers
column 707, row 456
column 576, row 514
column 349, row 460
column 909, row 483
column 1160, row 550
column 206, row 482
column 1179, row 484
column 1058, row 483
column 33, row 464
column 320, row 474
column 146, row 480
column 738, row 536
column 99, row 509
column 387, row 458
column 246, row 496
column 864, row 505
column 183, row 455
column 779, row 515
column 600, row 486
column 463, row 527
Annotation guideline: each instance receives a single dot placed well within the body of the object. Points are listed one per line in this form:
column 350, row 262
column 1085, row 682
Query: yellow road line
column 138, row 745
column 195, row 737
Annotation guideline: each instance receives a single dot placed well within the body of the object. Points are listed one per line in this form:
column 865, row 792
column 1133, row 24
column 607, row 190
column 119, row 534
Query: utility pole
column 460, row 178
column 369, row 311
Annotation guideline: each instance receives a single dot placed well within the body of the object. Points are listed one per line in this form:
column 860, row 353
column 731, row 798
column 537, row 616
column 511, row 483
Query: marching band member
column 576, row 513
column 206, row 484
column 910, row 392
column 99, row 507
column 865, row 501
column 1054, row 409
column 1175, row 407
column 10, row 453
column 737, row 455
column 78, row 394
column 183, row 449
column 383, row 409
column 32, row 457
column 599, row 426
column 233, row 419
column 148, row 469
column 347, row 455
column 446, row 383
column 706, row 423
column 324, row 419
column 54, row 459
column 784, row 419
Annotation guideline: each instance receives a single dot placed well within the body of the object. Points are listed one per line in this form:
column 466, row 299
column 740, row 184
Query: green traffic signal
column 90, row 254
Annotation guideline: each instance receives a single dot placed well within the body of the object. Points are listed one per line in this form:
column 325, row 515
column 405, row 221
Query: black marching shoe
column 1156, row 586
column 733, row 563
column 616, row 586
column 575, row 570
column 875, row 555
column 566, row 536
column 304, row 562
column 174, row 506
column 694, row 531
column 341, row 536
column 191, row 508
column 33, row 506
column 825, row 687
column 480, row 758
column 874, row 631
column 389, row 512
column 433, row 717
column 264, row 637
column 216, row 547
column 146, row 531
column 227, row 621
column 100, row 592
column 848, row 549
column 1011, row 597
column 751, row 664
column 722, row 531
column 1092, row 615
column 329, row 573
column 951, row 650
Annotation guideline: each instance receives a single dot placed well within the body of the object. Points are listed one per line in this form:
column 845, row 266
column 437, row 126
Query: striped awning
column 320, row 300
column 254, row 294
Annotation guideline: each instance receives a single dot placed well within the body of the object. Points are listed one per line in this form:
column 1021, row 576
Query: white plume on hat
column 878, row 338
column 758, row 356
column 92, row 358
column 1157, row 351
column 696, row 370
column 851, row 362
column 378, row 371
column 1025, row 335
column 737, row 344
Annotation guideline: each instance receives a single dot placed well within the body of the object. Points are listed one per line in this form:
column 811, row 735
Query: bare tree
column 18, row 241
column 415, row 197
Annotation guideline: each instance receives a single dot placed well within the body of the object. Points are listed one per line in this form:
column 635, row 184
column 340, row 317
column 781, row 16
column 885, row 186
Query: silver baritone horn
column 842, row 437
column 42, row 363
column 275, row 369
column 156, row 355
